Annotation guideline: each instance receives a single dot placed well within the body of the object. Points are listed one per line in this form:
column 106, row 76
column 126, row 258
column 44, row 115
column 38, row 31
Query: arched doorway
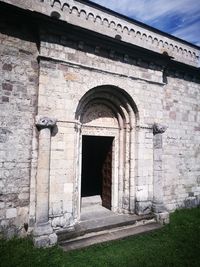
column 106, row 120
column 96, row 171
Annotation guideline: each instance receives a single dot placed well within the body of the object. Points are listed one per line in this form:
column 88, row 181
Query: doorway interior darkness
column 96, row 178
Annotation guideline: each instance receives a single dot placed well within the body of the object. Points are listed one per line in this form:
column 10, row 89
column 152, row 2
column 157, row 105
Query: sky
column 180, row 18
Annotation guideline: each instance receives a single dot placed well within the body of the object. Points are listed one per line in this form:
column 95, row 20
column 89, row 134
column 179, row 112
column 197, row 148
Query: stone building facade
column 75, row 75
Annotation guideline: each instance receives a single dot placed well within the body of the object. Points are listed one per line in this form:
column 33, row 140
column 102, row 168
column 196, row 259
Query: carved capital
column 77, row 127
column 159, row 128
column 45, row 122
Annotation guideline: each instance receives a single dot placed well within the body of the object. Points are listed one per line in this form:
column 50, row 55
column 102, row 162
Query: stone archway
column 108, row 111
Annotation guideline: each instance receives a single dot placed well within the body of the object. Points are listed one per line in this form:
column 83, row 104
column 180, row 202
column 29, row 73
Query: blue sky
column 180, row 18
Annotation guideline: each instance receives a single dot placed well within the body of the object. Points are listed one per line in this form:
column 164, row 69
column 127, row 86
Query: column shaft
column 158, row 205
column 44, row 125
column 42, row 198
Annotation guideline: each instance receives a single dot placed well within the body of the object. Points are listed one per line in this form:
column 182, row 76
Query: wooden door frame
column 105, row 202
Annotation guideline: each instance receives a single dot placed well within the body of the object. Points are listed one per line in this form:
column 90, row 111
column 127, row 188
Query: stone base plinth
column 162, row 217
column 45, row 240
column 143, row 207
column 43, row 235
column 191, row 202
column 158, row 207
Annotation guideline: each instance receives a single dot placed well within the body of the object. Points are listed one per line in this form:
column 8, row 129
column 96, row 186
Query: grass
column 177, row 244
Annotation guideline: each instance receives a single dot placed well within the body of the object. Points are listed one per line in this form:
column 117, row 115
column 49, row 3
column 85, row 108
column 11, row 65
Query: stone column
column 43, row 232
column 162, row 215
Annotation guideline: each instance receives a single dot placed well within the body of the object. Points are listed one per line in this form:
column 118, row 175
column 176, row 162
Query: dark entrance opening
column 97, row 168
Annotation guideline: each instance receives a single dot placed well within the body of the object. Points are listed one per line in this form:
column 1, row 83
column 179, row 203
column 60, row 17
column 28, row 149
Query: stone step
column 108, row 235
column 113, row 221
column 108, row 222
column 89, row 201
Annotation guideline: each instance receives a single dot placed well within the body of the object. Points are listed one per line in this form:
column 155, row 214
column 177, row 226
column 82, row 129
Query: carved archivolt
column 107, row 105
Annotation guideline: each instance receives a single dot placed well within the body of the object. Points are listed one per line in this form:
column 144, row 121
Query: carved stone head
column 159, row 128
column 45, row 122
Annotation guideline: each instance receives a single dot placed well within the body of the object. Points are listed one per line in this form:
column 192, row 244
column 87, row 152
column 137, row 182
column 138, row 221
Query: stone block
column 143, row 207
column 56, row 208
column 62, row 221
column 22, row 215
column 142, row 193
column 68, row 188
column 191, row 202
column 198, row 199
column 7, row 67
column 68, row 206
column 162, row 218
column 2, row 205
column 41, row 241
column 11, row 213
column 7, row 86
column 158, row 207
column 5, row 99
column 53, row 239
column 24, row 196
column 42, row 229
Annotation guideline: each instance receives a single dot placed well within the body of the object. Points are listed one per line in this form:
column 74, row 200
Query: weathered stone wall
column 66, row 74
column 18, row 105
column 181, row 113
column 70, row 64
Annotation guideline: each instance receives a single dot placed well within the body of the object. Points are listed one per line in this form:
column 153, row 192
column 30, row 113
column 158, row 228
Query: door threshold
column 91, row 200
column 96, row 211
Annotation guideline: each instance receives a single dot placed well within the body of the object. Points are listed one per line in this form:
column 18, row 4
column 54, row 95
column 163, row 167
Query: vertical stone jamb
column 126, row 189
column 77, row 171
column 132, row 172
column 43, row 232
column 121, row 170
column 144, row 176
column 162, row 215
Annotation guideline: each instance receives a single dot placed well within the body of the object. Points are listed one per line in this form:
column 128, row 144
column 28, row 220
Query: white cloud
column 156, row 12
column 189, row 32
column 151, row 9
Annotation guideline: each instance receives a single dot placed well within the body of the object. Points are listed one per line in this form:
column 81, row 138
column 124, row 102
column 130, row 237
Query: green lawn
column 177, row 244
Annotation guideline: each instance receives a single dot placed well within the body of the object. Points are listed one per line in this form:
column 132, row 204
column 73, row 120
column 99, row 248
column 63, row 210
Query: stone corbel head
column 159, row 128
column 45, row 122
